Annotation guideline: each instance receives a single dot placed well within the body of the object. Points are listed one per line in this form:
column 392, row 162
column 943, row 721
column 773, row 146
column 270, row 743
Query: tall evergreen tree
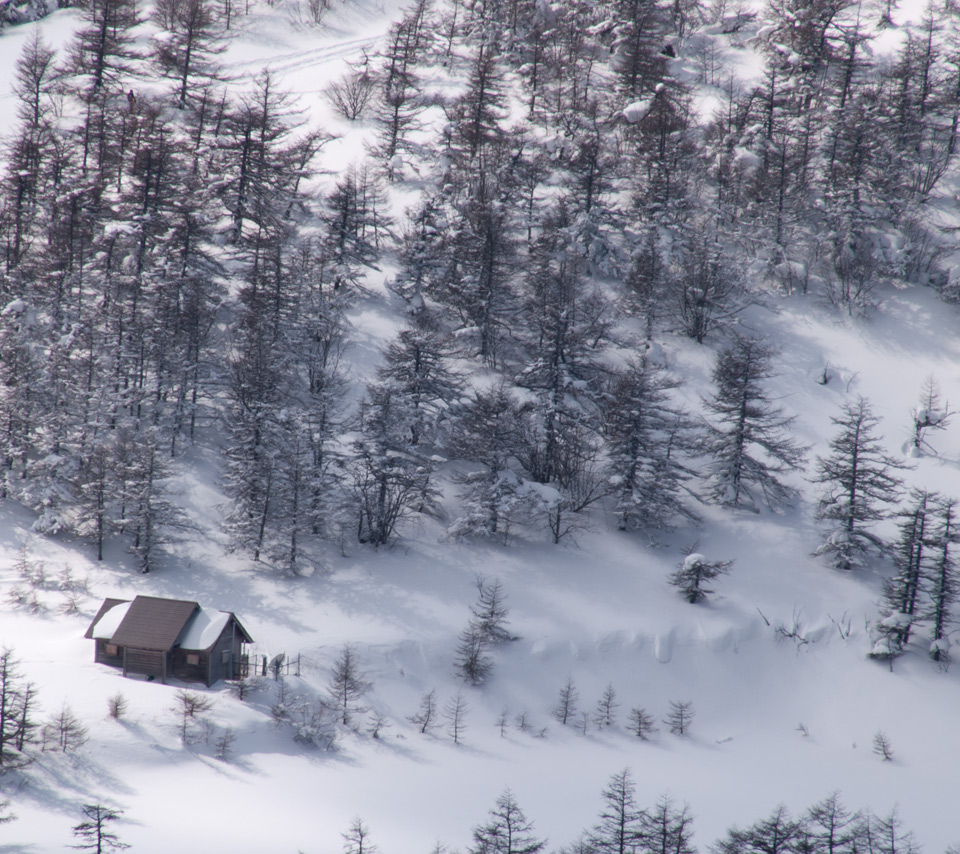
column 647, row 436
column 902, row 593
column 859, row 479
column 619, row 830
column 667, row 829
column 749, row 443
column 943, row 578
column 508, row 830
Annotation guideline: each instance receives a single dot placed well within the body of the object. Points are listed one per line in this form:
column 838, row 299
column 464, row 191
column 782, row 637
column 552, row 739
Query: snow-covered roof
column 203, row 629
column 108, row 624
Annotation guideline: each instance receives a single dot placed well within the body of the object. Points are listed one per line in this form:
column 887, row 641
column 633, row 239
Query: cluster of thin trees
column 624, row 827
column 172, row 276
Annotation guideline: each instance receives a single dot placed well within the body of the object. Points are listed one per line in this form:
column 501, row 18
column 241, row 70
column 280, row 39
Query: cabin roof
column 150, row 622
column 205, row 628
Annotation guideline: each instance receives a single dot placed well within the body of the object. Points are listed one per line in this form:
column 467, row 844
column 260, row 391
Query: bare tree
column 63, row 731
column 350, row 94
column 882, row 747
column 640, row 723
column 189, row 705
column 93, row 832
column 605, row 715
column 679, row 717
column 456, row 714
column 357, row 839
column 931, row 413
column 426, row 716
column 347, row 685
column 566, row 706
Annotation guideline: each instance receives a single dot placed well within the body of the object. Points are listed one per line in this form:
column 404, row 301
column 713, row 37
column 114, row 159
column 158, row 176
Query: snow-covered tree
column 390, row 481
column 943, row 578
column 931, row 413
column 17, row 707
column 647, row 437
column 640, row 723
column 776, row 834
column 695, row 573
column 455, row 712
column 187, row 51
column 488, row 433
column 425, row 388
column 902, row 592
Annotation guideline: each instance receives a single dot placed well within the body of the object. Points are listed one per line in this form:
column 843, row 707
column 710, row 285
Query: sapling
column 679, row 717
column 882, row 746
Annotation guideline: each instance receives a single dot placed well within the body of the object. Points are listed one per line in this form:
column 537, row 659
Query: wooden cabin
column 168, row 638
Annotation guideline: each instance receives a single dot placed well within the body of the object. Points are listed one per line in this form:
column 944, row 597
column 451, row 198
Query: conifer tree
column 619, row 830
column 943, row 579
column 347, row 685
column 902, row 593
column 695, row 572
column 188, row 52
column 859, row 479
column 507, row 831
column 488, row 432
column 567, row 702
column 94, row 833
column 666, row 829
column 748, row 442
column 647, row 435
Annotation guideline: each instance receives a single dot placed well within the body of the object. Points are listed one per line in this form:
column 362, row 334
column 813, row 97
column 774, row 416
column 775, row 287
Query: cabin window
column 193, row 659
column 225, row 657
column 111, row 649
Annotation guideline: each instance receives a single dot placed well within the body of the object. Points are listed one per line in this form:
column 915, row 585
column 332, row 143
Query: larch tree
column 943, row 578
column 507, row 831
column 347, row 685
column 94, row 833
column 749, row 440
column 695, row 573
column 667, row 829
column 187, row 53
column 903, row 592
column 859, row 480
column 619, row 828
column 647, row 436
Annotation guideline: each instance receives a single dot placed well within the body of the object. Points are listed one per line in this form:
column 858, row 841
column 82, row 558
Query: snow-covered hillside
column 787, row 703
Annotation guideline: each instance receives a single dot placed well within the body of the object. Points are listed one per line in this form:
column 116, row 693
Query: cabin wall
column 146, row 662
column 101, row 656
column 180, row 669
column 225, row 654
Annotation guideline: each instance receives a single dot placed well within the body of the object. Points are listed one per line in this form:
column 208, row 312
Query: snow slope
column 599, row 611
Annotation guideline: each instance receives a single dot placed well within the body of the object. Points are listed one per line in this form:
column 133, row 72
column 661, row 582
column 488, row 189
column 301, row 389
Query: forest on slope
column 172, row 273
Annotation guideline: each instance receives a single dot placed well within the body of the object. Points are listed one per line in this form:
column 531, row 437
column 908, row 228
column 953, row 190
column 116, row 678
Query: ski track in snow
column 299, row 60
